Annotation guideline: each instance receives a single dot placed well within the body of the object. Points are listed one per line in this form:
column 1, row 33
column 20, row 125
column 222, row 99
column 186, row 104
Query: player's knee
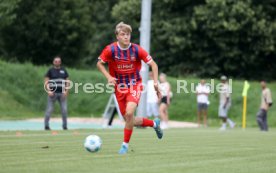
column 128, row 116
column 49, row 111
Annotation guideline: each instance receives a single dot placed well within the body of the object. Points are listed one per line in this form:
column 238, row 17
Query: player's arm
column 102, row 60
column 101, row 67
column 268, row 99
column 169, row 94
column 207, row 91
column 154, row 69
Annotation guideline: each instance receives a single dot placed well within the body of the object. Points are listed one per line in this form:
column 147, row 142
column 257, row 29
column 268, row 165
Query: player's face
column 123, row 39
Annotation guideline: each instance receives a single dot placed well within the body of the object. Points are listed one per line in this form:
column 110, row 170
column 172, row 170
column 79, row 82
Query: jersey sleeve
column 106, row 55
column 143, row 55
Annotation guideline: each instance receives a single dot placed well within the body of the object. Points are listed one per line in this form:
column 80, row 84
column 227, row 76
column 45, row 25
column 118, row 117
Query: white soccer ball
column 92, row 143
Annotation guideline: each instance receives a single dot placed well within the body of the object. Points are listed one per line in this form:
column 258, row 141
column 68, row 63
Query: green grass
column 22, row 96
column 181, row 150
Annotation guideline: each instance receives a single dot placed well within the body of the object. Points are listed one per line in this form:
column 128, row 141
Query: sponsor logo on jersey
column 124, row 66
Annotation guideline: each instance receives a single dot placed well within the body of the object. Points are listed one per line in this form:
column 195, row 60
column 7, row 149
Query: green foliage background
column 22, row 96
column 195, row 38
column 189, row 40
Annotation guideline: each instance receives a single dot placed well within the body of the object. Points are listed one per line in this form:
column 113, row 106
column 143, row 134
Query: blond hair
column 123, row 27
column 163, row 74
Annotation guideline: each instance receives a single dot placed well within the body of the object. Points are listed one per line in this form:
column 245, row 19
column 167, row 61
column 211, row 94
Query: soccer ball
column 92, row 143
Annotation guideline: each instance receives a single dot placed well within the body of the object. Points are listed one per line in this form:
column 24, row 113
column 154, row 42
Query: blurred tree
column 103, row 27
column 7, row 16
column 129, row 12
column 209, row 38
column 235, row 36
column 202, row 38
column 43, row 29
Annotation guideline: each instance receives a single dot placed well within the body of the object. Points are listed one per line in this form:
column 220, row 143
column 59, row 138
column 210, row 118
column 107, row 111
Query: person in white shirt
column 166, row 93
column 266, row 103
column 202, row 92
column 152, row 99
column 225, row 104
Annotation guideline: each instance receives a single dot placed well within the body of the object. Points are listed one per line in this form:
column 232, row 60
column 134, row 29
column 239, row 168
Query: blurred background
column 189, row 40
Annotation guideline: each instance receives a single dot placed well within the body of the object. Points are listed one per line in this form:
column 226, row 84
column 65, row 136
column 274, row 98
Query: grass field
column 181, row 150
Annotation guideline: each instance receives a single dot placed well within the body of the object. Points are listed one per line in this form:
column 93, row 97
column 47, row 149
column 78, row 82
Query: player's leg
column 228, row 120
column 50, row 107
column 121, row 99
column 224, row 121
column 205, row 115
column 198, row 114
column 63, row 106
column 260, row 119
column 223, row 116
column 134, row 97
column 166, row 117
column 162, row 108
column 129, row 123
column 231, row 123
column 265, row 121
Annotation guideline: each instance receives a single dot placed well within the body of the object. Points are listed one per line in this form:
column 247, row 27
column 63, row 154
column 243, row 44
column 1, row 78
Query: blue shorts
column 202, row 106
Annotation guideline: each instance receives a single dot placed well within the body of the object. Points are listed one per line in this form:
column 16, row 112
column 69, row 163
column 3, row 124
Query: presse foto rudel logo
column 182, row 86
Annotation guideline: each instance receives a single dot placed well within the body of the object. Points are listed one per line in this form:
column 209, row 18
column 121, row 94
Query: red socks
column 147, row 123
column 127, row 135
column 128, row 132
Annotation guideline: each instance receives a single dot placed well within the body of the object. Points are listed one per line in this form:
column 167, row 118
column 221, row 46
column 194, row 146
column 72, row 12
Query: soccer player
column 266, row 102
column 124, row 62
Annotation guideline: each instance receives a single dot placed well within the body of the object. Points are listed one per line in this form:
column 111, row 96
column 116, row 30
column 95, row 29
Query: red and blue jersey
column 125, row 64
